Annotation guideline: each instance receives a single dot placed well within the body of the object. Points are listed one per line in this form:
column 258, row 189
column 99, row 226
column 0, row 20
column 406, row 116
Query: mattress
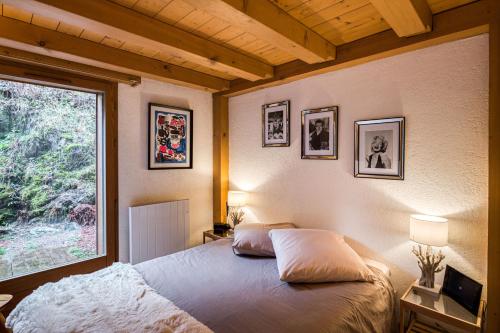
column 230, row 293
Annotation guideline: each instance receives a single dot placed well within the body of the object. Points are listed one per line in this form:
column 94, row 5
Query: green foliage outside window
column 47, row 152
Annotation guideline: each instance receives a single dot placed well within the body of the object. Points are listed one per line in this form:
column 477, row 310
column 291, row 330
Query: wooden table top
column 4, row 299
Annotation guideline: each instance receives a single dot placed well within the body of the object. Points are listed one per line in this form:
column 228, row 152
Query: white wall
column 137, row 184
column 443, row 93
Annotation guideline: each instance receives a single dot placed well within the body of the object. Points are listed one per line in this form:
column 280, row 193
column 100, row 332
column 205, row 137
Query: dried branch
column 236, row 215
column 428, row 263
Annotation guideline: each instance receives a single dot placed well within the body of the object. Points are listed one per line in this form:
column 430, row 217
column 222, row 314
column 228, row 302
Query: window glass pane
column 48, row 176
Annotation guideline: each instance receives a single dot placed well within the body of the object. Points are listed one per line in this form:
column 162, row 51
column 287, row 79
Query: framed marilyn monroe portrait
column 379, row 148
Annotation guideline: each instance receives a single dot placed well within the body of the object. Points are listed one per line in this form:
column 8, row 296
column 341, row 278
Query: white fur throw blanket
column 114, row 299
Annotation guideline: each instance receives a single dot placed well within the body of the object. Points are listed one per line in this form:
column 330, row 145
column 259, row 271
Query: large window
column 58, row 176
column 49, row 211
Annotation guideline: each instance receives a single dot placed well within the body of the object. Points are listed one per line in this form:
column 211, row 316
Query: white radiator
column 157, row 230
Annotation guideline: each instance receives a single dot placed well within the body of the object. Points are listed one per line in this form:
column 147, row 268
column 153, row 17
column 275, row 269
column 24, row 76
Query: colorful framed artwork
column 170, row 137
column 320, row 133
column 276, row 124
column 379, row 148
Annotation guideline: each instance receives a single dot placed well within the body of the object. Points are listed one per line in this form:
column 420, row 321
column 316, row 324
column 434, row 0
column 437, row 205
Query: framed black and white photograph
column 320, row 133
column 379, row 148
column 170, row 144
column 276, row 124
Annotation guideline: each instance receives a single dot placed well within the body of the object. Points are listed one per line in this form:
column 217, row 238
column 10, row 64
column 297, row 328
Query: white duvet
column 114, row 299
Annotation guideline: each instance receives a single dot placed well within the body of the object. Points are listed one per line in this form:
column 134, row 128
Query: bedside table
column 441, row 308
column 210, row 234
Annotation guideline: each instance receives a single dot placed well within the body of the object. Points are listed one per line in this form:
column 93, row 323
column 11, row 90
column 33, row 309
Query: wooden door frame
column 23, row 285
column 493, row 283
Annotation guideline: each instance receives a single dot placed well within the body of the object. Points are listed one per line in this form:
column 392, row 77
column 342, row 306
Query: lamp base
column 432, row 291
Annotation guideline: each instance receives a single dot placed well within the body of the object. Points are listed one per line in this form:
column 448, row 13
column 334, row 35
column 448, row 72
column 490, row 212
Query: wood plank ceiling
column 324, row 23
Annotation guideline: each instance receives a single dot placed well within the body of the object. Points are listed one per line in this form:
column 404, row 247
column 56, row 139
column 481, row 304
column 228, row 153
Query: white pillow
column 309, row 255
column 253, row 238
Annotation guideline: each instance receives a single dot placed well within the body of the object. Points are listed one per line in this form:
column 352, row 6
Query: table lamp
column 430, row 231
column 236, row 200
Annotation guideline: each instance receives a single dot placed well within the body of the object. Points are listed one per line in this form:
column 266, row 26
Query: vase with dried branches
column 429, row 264
column 235, row 201
column 236, row 215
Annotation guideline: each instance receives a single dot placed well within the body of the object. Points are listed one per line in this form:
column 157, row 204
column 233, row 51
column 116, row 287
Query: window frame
column 22, row 286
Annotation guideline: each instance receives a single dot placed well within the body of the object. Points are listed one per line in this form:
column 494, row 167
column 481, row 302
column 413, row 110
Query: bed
column 230, row 293
column 205, row 288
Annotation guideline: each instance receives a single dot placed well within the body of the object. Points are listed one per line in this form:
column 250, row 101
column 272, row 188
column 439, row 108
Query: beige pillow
column 253, row 239
column 309, row 255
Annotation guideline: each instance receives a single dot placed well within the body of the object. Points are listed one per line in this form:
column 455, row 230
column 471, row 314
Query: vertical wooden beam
column 493, row 317
column 220, row 156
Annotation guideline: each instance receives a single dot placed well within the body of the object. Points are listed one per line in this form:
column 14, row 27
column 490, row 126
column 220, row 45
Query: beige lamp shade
column 429, row 230
column 237, row 198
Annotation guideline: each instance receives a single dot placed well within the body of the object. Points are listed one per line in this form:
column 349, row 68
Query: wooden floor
column 33, row 261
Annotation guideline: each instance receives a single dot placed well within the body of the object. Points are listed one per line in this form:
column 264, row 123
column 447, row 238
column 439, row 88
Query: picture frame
column 276, row 124
column 462, row 289
column 319, row 139
column 170, row 137
column 379, row 148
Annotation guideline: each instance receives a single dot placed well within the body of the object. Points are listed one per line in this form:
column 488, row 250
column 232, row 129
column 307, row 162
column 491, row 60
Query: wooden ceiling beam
column 462, row 22
column 268, row 22
column 25, row 57
column 28, row 37
column 116, row 21
column 406, row 17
